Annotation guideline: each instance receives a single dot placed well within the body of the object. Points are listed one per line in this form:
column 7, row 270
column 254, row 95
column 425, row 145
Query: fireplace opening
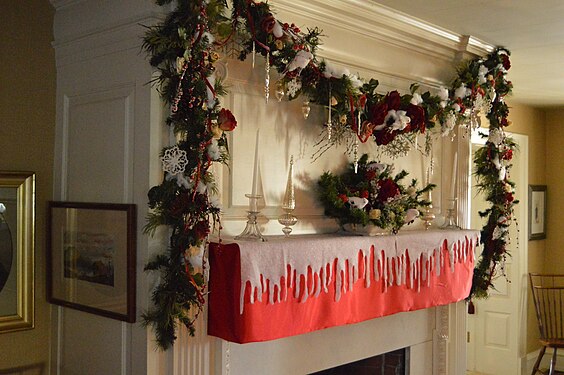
column 391, row 363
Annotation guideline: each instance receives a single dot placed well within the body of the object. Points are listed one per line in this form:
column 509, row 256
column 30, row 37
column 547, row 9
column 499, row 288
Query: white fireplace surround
column 105, row 107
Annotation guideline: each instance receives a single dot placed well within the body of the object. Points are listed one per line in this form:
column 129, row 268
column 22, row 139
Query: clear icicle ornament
column 306, row 109
column 267, row 77
column 254, row 54
column 279, row 93
column 329, row 122
column 289, row 203
column 355, row 153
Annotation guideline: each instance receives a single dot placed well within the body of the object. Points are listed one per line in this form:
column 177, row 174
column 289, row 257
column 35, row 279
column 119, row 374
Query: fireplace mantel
column 290, row 286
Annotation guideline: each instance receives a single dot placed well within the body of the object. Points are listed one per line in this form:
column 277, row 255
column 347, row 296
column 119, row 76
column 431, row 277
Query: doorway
column 496, row 336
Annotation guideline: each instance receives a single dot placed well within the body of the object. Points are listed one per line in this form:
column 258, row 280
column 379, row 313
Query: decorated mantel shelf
column 262, row 291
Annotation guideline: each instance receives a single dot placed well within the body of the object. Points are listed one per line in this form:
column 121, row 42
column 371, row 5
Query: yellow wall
column 555, row 186
column 530, row 121
column 27, row 126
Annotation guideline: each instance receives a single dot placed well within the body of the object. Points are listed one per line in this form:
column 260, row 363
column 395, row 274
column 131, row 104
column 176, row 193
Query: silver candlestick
column 289, row 203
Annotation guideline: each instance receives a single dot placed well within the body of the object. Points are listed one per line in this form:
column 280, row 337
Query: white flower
column 449, row 124
column 482, row 71
column 300, row 61
column 456, row 107
column 443, row 93
column 498, row 233
column 461, row 91
column 377, row 167
column 174, row 160
column 502, row 173
column 496, row 136
column 399, row 118
column 277, row 30
column 293, row 87
column 411, row 191
column 213, row 150
column 411, row 214
column 2, row 208
column 416, row 99
column 356, row 82
column 358, row 202
column 481, row 79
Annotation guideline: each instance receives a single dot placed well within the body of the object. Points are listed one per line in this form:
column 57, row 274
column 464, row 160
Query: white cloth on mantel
column 269, row 261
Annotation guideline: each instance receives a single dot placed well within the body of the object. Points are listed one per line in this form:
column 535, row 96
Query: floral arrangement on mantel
column 182, row 49
column 371, row 195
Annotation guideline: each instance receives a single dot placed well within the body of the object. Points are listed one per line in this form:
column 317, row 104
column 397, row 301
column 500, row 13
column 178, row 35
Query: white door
column 497, row 330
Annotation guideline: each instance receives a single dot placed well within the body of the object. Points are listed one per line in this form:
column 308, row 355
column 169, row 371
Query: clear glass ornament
column 306, row 109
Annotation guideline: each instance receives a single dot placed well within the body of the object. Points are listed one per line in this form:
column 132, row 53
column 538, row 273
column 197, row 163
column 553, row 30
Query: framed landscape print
column 91, row 258
column 537, row 212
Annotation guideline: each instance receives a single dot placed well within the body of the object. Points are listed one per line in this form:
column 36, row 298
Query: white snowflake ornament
column 174, row 160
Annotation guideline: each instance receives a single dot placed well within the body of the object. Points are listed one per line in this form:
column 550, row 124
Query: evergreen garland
column 181, row 49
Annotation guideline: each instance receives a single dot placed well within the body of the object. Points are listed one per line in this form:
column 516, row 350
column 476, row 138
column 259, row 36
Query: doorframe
column 464, row 147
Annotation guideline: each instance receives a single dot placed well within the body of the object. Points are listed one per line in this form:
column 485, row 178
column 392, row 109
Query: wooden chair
column 548, row 295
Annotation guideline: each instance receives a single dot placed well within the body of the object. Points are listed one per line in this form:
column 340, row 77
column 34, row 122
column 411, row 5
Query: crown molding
column 387, row 25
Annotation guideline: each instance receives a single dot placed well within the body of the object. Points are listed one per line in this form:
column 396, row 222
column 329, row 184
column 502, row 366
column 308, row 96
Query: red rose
column 387, row 189
column 383, row 137
column 417, row 115
column 364, row 194
column 393, row 99
column 343, row 197
column 378, row 113
column 201, row 229
column 504, row 122
column 268, row 23
column 505, row 62
column 509, row 197
column 507, row 155
column 370, row 175
column 226, row 121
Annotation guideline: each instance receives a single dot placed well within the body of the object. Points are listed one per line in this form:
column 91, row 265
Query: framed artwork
column 537, row 212
column 17, row 240
column 91, row 258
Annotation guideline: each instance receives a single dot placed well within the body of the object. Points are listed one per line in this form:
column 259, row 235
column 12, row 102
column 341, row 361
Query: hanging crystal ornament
column 306, row 109
column 279, row 93
column 254, row 53
column 355, row 152
column 289, row 203
column 267, row 77
column 427, row 215
column 329, row 122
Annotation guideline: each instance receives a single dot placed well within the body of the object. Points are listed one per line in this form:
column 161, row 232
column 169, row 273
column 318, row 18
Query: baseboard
column 531, row 357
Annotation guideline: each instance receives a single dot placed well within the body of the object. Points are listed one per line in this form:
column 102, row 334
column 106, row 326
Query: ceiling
column 532, row 30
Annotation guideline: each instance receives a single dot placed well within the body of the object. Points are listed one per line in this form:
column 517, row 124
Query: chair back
column 548, row 295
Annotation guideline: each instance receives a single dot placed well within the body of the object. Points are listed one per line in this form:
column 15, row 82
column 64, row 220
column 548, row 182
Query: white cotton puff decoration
column 456, row 107
column 277, row 30
column 496, row 136
column 443, row 94
column 300, row 61
column 411, row 214
column 195, row 256
column 215, row 201
column 180, row 180
column 213, row 150
column 201, row 188
column 355, row 81
column 399, row 118
column 334, row 71
column 461, row 91
column 2, row 208
column 358, row 202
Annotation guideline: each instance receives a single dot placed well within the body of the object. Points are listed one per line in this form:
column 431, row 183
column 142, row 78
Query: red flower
column 507, row 155
column 378, row 113
column 393, row 99
column 364, row 194
column 505, row 62
column 509, row 197
column 370, row 175
column 387, row 189
column 226, row 121
column 504, row 122
column 417, row 115
column 343, row 197
column 383, row 137
column 268, row 23
column 201, row 229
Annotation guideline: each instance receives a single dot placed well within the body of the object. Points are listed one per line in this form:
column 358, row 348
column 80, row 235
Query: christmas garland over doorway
column 182, row 49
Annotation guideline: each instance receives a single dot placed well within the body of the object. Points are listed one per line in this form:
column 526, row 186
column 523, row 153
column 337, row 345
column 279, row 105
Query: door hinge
column 467, row 336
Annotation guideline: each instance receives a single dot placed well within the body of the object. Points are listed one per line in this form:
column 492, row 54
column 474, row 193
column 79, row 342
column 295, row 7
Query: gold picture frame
column 17, row 241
